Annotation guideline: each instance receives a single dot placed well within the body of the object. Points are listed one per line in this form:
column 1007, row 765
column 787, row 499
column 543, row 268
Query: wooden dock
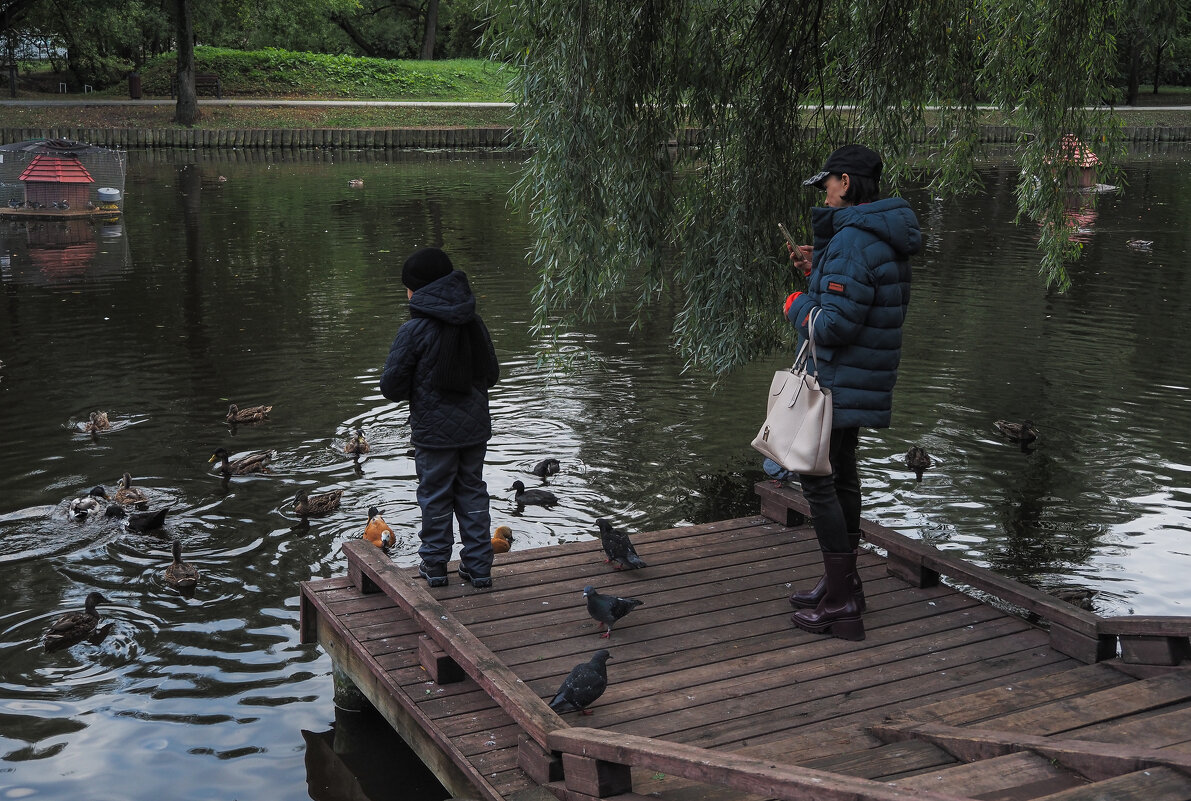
column 713, row 694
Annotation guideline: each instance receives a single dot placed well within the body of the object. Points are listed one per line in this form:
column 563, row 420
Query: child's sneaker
column 477, row 581
column 435, row 575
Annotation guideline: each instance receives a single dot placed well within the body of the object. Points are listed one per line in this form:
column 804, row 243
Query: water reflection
column 60, row 253
column 279, row 286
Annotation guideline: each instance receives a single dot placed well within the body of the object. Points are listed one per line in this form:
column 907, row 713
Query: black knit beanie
column 424, row 267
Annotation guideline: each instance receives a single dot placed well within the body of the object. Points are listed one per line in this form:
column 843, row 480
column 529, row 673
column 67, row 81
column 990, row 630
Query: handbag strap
column 809, row 343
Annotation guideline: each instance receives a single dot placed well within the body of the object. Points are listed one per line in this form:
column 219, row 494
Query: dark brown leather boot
column 809, row 599
column 837, row 614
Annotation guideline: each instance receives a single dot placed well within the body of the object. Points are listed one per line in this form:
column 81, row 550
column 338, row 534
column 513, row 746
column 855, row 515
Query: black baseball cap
column 850, row 159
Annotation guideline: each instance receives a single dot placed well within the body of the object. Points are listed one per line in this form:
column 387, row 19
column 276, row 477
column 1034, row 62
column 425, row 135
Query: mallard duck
column 377, row 531
column 546, row 468
column 89, row 504
column 918, row 460
column 96, row 422
column 74, row 626
column 139, row 521
column 250, row 414
column 180, row 575
column 356, row 183
column 128, row 495
column 255, row 462
column 502, row 539
column 1024, row 432
column 316, row 505
column 533, row 497
column 1076, row 596
column 356, row 444
column 1140, row 244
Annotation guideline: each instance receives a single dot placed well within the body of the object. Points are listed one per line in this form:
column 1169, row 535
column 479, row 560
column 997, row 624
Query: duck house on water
column 57, row 178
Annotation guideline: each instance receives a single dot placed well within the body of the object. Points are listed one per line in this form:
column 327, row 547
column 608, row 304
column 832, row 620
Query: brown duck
column 180, row 575
column 255, row 462
column 306, row 505
column 250, row 414
column 74, row 626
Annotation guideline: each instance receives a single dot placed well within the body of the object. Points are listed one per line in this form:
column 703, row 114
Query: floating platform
column 58, row 214
column 714, row 695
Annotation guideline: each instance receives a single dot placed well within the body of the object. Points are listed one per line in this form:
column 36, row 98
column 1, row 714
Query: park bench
column 202, row 80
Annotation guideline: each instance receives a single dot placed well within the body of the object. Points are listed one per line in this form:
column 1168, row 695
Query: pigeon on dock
column 618, row 547
column 583, row 685
column 607, row 609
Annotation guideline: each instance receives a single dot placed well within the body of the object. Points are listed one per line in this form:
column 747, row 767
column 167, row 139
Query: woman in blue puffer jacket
column 858, row 277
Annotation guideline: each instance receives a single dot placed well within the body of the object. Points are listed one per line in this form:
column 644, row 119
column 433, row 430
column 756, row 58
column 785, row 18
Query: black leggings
column 835, row 499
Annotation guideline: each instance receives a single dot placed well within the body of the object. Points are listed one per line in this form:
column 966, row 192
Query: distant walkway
column 167, row 101
column 83, row 100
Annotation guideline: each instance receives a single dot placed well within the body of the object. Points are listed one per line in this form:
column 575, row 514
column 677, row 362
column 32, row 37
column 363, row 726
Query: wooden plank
column 473, row 656
column 1094, row 760
column 1168, row 626
column 886, row 760
column 1108, row 704
column 932, row 558
column 435, row 751
column 1157, row 730
column 760, row 777
column 1019, row 775
column 1016, row 696
column 1157, row 784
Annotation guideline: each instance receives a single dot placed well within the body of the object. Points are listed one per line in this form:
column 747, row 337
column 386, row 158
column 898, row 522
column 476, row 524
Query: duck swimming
column 96, row 422
column 533, row 497
column 356, row 444
column 255, row 462
column 139, row 521
column 92, row 502
column 74, row 627
column 316, row 505
column 128, row 495
column 918, row 460
column 249, row 414
column 546, row 468
column 378, row 531
column 180, row 575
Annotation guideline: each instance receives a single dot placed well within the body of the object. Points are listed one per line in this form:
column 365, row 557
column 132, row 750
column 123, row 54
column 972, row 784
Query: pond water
column 253, row 278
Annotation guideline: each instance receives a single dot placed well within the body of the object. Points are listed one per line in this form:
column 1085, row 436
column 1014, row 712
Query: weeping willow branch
column 626, row 208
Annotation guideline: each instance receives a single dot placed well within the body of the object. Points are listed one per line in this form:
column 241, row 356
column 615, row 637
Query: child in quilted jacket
column 443, row 363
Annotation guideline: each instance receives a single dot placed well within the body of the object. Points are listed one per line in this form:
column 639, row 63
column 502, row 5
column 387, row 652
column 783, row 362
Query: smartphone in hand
column 786, row 234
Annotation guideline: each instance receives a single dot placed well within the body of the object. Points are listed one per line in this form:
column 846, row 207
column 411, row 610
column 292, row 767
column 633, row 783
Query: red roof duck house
column 52, row 178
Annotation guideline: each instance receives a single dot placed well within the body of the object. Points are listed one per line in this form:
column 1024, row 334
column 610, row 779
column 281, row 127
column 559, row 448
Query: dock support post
column 441, row 667
column 1083, row 647
column 359, row 579
column 539, row 764
column 595, row 777
column 347, row 696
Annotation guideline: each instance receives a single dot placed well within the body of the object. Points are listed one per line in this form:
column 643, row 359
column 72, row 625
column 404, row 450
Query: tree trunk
column 187, row 110
column 1134, row 85
column 431, row 28
column 1157, row 65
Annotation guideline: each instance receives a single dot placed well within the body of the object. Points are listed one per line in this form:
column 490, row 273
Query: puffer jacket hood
column 448, row 299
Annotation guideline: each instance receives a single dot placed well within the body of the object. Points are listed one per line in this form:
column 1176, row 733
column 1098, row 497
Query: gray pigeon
column 585, row 683
column 607, row 609
column 618, row 548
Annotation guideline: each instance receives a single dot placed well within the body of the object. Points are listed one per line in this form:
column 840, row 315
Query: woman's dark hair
column 862, row 189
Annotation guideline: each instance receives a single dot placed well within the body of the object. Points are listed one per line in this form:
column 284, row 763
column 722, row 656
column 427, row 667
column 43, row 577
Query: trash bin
column 134, row 85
